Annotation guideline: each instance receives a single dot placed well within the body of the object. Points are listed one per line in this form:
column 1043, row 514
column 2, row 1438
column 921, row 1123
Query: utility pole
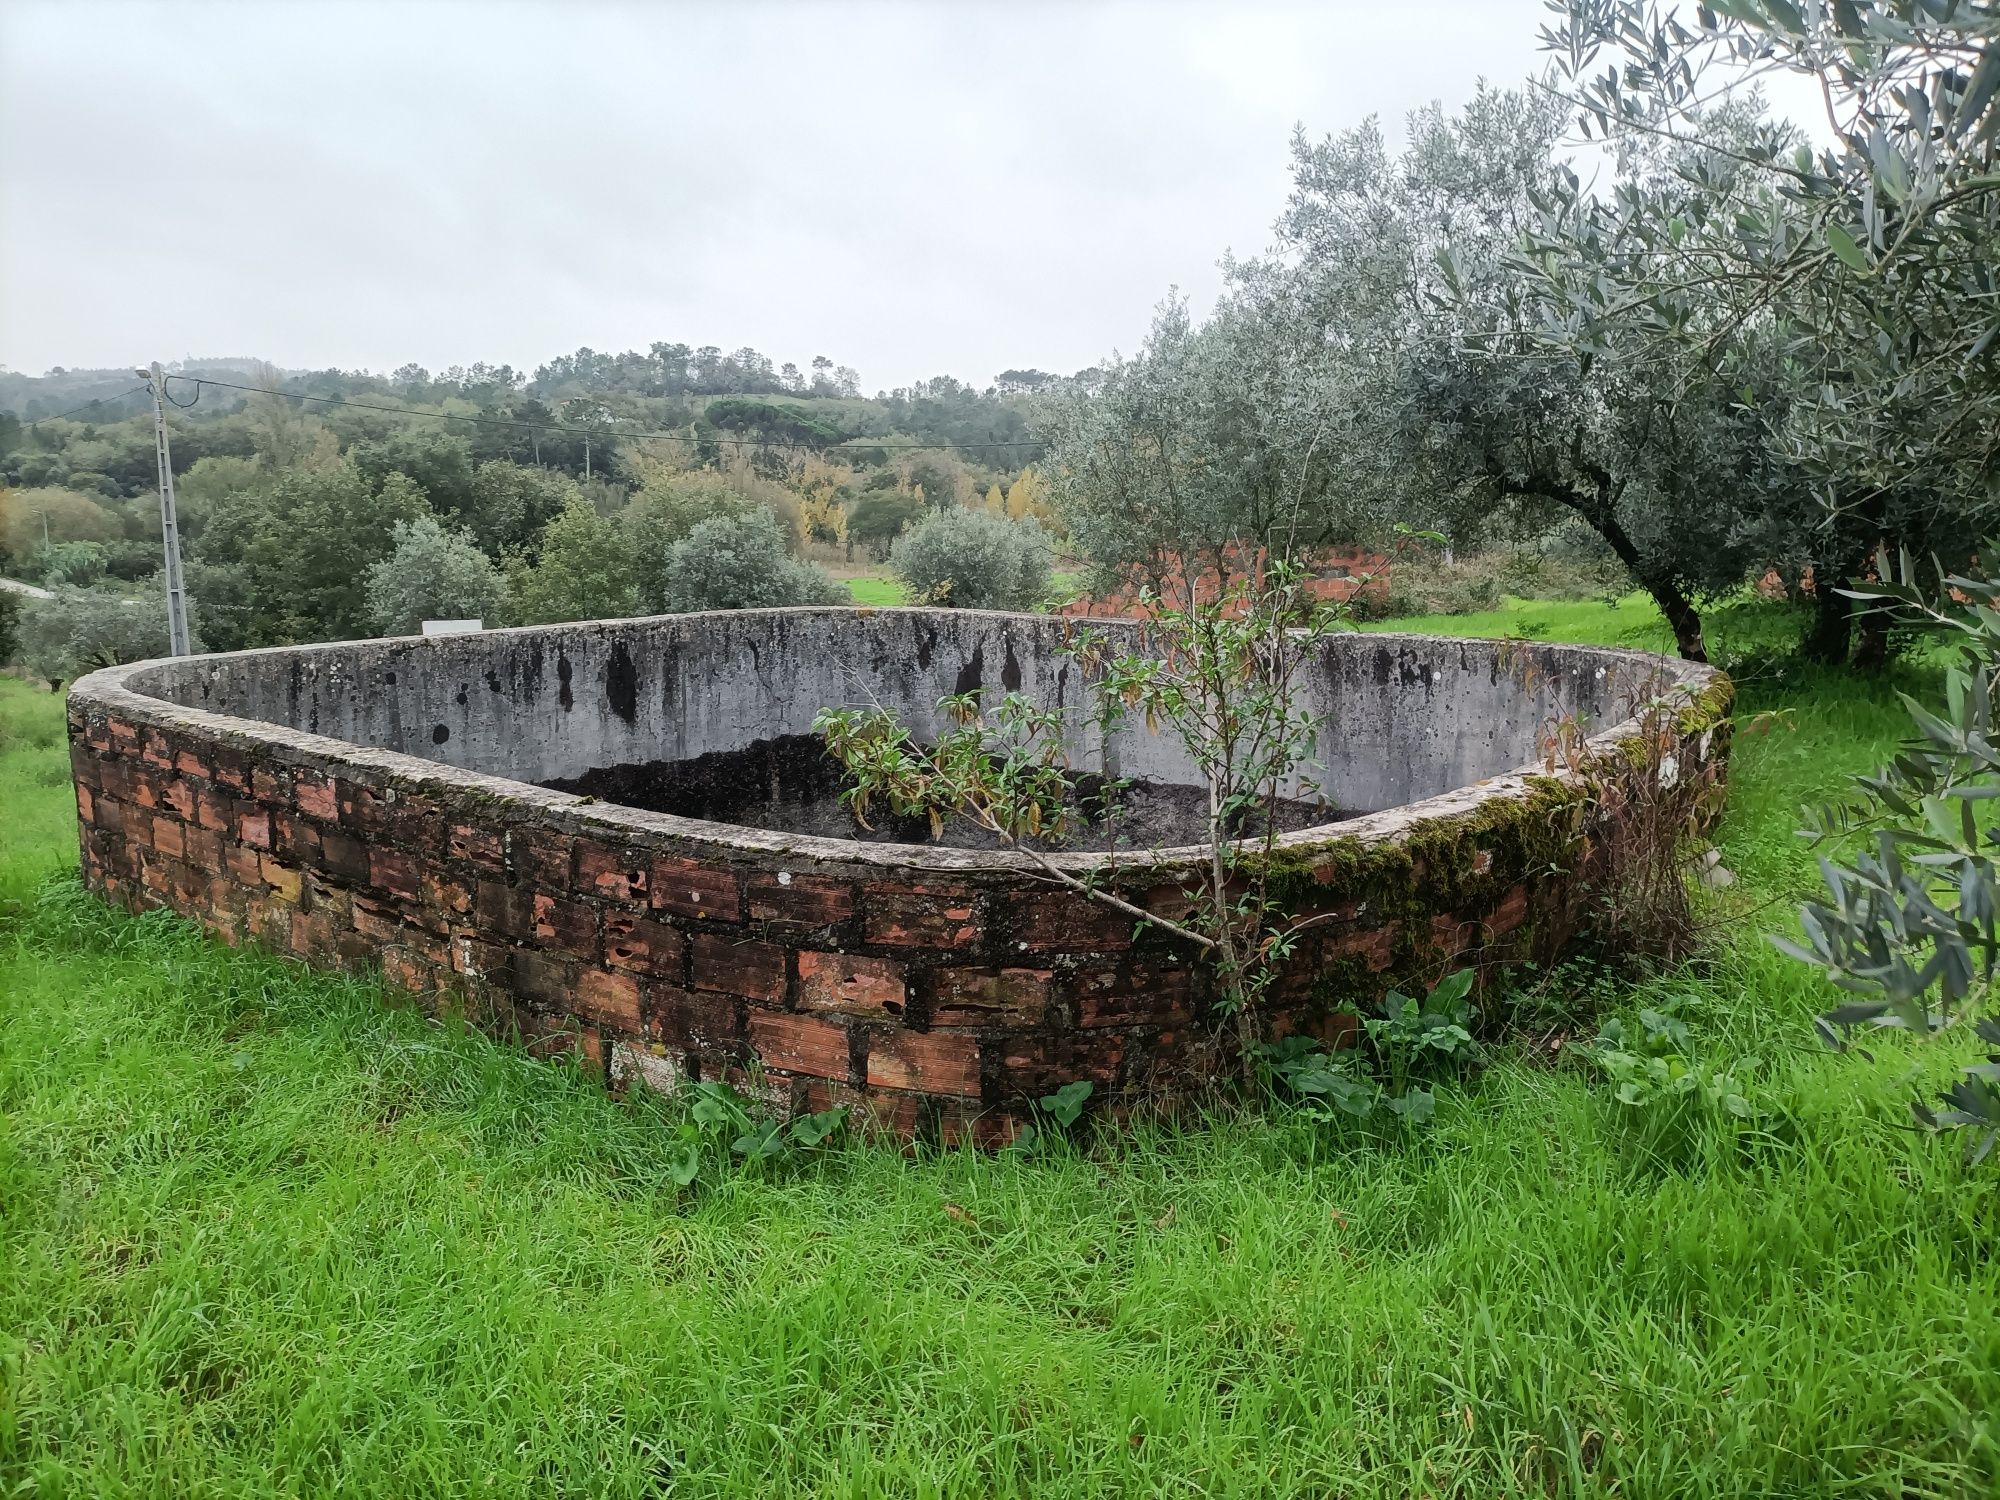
column 586, row 458
column 170, row 531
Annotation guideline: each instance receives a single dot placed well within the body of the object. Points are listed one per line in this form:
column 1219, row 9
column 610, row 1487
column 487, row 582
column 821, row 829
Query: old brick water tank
column 439, row 808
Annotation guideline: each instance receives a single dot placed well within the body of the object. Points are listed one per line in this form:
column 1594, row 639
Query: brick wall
column 937, row 1001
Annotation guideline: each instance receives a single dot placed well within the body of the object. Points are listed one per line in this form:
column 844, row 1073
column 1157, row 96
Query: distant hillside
column 32, row 397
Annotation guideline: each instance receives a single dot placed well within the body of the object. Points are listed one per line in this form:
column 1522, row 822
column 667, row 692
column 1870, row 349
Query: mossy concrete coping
column 373, row 802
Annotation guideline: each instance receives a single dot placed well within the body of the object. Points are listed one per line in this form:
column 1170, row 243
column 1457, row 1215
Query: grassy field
column 879, row 588
column 870, row 589
column 261, row 1233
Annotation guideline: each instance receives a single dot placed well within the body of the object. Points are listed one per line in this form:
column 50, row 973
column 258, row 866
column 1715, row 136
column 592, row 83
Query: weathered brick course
column 937, row 999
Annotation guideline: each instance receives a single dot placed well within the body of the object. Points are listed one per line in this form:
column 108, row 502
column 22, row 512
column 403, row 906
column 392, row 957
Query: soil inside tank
column 792, row 785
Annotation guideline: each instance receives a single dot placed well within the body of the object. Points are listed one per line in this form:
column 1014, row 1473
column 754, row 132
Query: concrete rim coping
column 106, row 690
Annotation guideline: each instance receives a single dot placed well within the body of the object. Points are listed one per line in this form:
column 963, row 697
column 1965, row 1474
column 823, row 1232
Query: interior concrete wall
column 1405, row 717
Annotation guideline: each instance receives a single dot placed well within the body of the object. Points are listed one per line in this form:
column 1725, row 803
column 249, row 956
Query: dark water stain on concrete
column 621, row 684
column 971, row 676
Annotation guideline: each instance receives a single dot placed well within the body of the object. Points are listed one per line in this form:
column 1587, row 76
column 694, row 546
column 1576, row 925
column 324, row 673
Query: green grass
column 868, row 589
column 261, row 1233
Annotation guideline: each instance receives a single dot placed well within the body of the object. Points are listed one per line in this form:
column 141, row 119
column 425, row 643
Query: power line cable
column 607, row 430
column 99, row 401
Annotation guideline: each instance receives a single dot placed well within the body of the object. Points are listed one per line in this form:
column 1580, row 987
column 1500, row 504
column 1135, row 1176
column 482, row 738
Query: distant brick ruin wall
column 938, row 992
column 1335, row 574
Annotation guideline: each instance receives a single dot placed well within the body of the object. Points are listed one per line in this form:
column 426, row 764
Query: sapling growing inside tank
column 1223, row 676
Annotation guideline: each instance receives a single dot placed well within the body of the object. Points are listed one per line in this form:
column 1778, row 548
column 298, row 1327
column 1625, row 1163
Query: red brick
column 1143, row 994
column 477, row 846
column 315, row 798
column 157, row 751
column 394, row 871
column 215, row 810
column 614, row 874
column 144, row 793
column 295, row 838
column 189, row 764
column 686, row 1019
column 1027, row 1067
column 610, row 998
column 570, row 924
column 799, row 1044
column 1069, row 922
column 408, row 972
column 642, row 946
column 545, row 979
column 696, row 890
column 1100, row 1057
column 268, row 786
column 917, row 916
column 1375, row 944
column 1453, row 937
column 241, row 861
column 167, row 837
column 990, row 997
column 112, row 815
column 179, row 796
column 504, row 909
column 937, row 1062
column 962, row 1124
column 377, row 919
column 1509, row 914
column 204, row 848
column 343, row 856
column 540, row 858
column 755, row 970
column 254, row 828
column 870, row 1112
column 231, row 769
column 115, row 779
column 852, row 984
column 801, row 900
column 1175, row 903
column 445, row 895
column 86, row 807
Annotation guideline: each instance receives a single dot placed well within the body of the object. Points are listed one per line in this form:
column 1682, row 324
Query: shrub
column 970, row 560
column 78, row 563
column 739, row 562
column 10, row 624
column 433, row 574
column 1474, row 583
column 80, row 630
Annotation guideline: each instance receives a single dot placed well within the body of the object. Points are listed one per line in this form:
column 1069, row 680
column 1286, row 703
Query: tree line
column 1729, row 356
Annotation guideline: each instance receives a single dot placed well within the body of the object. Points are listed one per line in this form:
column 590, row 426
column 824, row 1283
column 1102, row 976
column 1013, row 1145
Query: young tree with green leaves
column 582, row 571
column 433, row 574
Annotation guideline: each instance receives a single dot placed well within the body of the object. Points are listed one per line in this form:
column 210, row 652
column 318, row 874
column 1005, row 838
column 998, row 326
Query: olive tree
column 739, row 562
column 79, row 630
column 1866, row 267
column 968, row 559
column 1408, row 266
column 432, row 574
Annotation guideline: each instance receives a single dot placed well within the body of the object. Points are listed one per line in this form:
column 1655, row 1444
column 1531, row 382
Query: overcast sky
column 912, row 189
